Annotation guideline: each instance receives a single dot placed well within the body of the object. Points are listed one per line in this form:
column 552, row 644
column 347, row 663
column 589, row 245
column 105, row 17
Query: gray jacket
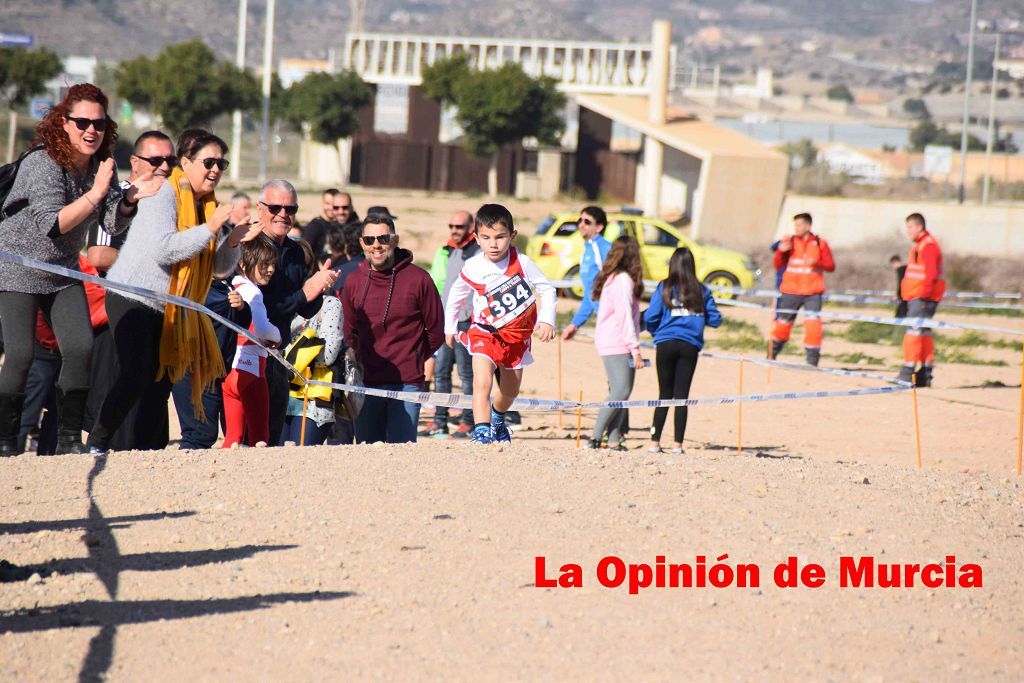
column 154, row 245
column 33, row 231
column 456, row 259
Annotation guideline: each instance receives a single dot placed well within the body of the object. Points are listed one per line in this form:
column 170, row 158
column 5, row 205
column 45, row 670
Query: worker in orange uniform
column 806, row 258
column 922, row 288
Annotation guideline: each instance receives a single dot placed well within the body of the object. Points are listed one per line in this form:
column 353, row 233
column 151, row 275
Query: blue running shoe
column 482, row 435
column 501, row 434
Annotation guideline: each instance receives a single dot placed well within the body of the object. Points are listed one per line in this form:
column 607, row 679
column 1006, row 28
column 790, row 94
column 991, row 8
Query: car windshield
column 543, row 228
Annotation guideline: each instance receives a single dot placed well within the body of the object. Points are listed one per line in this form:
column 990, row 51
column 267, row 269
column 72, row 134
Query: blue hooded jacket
column 678, row 323
column 595, row 251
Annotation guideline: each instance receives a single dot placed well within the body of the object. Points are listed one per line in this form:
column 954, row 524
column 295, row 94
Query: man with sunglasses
column 291, row 290
column 394, row 320
column 448, row 262
column 153, row 151
column 595, row 249
column 336, row 209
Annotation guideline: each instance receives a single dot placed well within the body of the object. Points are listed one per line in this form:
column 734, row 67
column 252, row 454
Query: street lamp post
column 236, row 116
column 991, row 122
column 268, row 58
column 967, row 100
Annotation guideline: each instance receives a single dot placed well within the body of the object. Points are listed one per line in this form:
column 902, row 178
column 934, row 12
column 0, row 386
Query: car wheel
column 575, row 292
column 722, row 278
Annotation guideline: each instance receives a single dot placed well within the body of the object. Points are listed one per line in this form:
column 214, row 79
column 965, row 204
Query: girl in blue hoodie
column 680, row 308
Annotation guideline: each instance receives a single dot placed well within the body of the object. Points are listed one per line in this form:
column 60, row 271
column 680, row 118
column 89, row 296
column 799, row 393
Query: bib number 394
column 509, row 300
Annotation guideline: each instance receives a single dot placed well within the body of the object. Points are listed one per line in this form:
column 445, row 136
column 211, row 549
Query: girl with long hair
column 680, row 309
column 617, row 289
column 65, row 185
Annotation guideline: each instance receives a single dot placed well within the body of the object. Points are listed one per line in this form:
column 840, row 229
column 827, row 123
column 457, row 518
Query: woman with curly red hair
column 65, row 186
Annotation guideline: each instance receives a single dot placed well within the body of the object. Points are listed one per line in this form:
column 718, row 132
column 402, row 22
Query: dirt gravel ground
column 417, row 562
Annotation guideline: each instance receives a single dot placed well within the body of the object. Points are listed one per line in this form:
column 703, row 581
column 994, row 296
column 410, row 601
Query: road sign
column 938, row 160
column 16, row 40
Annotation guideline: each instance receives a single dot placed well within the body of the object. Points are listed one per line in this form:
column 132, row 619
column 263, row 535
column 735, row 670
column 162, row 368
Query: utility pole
column 236, row 116
column 268, row 59
column 967, row 100
column 991, row 123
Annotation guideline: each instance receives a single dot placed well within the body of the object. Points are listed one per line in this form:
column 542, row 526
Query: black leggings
column 68, row 314
column 137, row 329
column 676, row 362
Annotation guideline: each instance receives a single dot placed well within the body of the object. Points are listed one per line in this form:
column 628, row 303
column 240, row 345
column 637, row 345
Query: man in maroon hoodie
column 394, row 319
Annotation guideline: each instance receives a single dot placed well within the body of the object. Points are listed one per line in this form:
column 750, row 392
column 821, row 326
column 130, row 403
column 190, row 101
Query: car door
column 657, row 245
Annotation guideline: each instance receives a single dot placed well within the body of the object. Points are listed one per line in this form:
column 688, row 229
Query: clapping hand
column 244, row 231
column 104, row 176
column 146, row 185
column 320, row 282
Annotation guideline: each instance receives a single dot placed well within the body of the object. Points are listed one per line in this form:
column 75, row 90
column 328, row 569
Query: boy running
column 504, row 286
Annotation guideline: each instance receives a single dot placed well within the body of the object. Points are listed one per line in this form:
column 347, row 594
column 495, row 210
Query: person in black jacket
column 900, row 269
column 292, row 289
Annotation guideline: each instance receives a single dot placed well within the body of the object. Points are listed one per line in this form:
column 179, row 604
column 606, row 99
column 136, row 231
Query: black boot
column 776, row 349
column 813, row 356
column 10, row 423
column 71, row 407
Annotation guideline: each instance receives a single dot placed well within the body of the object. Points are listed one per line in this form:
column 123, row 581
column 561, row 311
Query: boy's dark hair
column 336, row 239
column 597, row 213
column 352, row 232
column 917, row 218
column 378, row 219
column 257, row 252
column 804, row 217
column 489, row 215
column 895, row 258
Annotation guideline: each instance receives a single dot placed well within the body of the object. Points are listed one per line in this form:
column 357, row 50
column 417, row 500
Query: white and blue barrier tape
column 873, row 298
column 462, row 400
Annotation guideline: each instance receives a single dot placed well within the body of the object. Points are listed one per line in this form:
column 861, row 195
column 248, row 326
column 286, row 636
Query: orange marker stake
column 579, row 419
column 917, row 426
column 739, row 430
column 305, row 404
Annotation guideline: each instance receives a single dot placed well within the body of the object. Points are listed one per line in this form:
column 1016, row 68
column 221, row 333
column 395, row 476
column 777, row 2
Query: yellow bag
column 320, row 373
column 303, row 351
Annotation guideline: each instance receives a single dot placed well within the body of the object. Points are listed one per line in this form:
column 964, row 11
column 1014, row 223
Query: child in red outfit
column 511, row 298
column 246, row 396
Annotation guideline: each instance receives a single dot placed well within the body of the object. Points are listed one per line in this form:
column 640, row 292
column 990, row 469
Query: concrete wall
column 738, row 202
column 968, row 229
column 679, row 180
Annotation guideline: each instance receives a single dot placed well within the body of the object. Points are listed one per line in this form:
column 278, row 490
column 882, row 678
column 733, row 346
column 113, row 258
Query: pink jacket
column 618, row 318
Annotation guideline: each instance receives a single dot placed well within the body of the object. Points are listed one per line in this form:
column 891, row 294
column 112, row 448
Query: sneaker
column 594, row 444
column 501, row 434
column 434, row 431
column 906, row 374
column 482, row 435
column 621, row 447
column 463, row 431
column 513, row 417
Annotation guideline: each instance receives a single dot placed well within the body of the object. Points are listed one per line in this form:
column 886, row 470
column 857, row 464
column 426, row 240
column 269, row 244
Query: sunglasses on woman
column 385, row 239
column 290, row 209
column 210, row 162
column 157, row 162
column 83, row 124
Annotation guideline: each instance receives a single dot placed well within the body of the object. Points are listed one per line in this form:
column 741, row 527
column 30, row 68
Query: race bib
column 509, row 300
column 680, row 312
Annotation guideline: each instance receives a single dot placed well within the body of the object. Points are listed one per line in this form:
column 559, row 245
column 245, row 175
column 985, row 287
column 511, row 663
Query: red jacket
column 923, row 278
column 96, row 298
column 394, row 319
column 805, row 264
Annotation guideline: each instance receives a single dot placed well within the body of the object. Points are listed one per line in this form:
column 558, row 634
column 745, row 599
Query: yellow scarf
column 188, row 343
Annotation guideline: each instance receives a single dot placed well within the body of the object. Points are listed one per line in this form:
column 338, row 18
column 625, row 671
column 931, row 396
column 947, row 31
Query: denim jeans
column 384, row 419
column 196, row 434
column 461, row 358
column 315, row 435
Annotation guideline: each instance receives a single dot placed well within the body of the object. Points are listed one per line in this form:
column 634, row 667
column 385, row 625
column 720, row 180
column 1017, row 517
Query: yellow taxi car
column 557, row 249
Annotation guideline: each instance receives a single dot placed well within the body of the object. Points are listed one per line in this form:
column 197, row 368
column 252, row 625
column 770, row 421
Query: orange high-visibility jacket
column 923, row 279
column 805, row 265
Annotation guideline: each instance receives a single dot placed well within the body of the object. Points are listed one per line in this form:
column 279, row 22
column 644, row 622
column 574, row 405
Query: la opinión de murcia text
column 854, row 572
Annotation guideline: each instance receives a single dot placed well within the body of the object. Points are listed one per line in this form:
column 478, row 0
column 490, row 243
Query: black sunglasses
column 381, row 239
column 458, row 226
column 346, row 207
column 83, row 123
column 156, row 162
column 222, row 164
column 290, row 209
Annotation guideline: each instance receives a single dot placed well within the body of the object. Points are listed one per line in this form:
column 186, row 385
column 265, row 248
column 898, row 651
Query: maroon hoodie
column 394, row 319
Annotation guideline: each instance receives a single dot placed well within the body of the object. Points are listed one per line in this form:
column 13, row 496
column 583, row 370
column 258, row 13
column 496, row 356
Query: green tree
column 23, row 75
column 923, row 134
column 840, row 93
column 439, row 78
column 802, row 154
column 917, row 108
column 186, row 85
column 327, row 105
column 499, row 107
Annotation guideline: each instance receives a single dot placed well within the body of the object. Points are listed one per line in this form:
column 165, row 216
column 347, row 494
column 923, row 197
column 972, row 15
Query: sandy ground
column 418, row 562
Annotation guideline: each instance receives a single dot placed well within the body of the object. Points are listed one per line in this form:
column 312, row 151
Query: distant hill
column 118, row 29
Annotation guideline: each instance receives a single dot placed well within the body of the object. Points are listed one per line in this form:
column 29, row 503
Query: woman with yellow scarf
column 179, row 240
